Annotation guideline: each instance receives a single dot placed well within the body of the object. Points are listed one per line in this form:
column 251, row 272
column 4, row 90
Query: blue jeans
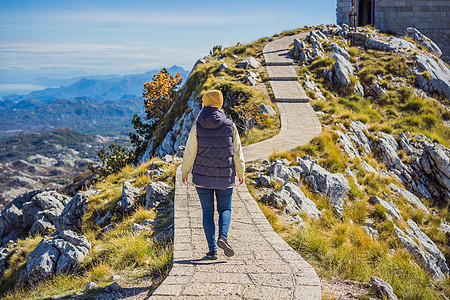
column 223, row 208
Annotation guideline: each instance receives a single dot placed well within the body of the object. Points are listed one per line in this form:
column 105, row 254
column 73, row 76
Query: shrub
column 114, row 159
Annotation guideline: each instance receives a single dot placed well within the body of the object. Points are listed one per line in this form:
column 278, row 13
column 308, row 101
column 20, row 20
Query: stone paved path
column 264, row 266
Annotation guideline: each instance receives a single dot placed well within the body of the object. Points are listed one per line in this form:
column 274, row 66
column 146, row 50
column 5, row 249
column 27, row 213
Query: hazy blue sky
column 105, row 37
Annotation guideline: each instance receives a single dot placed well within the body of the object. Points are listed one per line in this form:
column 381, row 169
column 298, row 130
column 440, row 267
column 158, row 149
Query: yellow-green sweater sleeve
column 239, row 162
column 190, row 153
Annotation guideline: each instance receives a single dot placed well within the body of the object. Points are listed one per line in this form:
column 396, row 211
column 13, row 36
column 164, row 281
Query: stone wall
column 432, row 18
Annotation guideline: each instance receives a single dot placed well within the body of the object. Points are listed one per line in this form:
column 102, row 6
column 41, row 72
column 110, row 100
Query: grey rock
column 404, row 143
column 377, row 90
column 428, row 245
column 279, row 170
column 263, row 180
column 223, row 67
column 58, row 254
column 389, row 154
column 342, row 69
column 71, row 216
column 424, row 259
column 90, row 286
column 180, row 151
column 100, row 221
column 156, row 192
column 136, row 228
column 438, row 72
column 252, row 78
column 390, row 207
column 339, row 50
column 129, row 197
column 418, row 37
column 113, row 287
column 4, row 256
column 383, row 288
column 347, row 144
column 249, row 62
column 413, row 199
column 390, row 44
column 267, row 109
column 310, row 85
column 440, row 159
column 148, row 222
column 305, row 204
column 41, row 226
column 445, row 227
column 334, row 186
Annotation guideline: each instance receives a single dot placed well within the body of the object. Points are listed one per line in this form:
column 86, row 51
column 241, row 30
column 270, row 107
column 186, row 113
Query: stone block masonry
column 432, row 18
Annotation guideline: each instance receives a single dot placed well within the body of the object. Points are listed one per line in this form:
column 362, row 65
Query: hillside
column 112, row 88
column 367, row 197
column 46, row 160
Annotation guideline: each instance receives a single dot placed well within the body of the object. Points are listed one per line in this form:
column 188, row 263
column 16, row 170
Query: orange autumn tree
column 159, row 94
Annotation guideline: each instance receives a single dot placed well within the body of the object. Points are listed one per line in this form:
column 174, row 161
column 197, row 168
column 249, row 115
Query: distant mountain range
column 96, row 88
column 78, row 114
column 102, row 106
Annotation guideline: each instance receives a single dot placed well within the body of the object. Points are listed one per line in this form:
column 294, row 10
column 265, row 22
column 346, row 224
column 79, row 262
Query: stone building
column 432, row 18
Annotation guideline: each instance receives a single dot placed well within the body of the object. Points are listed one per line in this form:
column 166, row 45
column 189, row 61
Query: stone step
column 288, row 91
column 281, row 73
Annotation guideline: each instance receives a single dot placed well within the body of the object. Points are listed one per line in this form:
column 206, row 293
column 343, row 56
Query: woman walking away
column 214, row 155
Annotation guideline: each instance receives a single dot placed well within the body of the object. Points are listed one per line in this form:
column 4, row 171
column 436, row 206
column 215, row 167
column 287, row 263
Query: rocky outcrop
column 309, row 85
column 292, row 200
column 157, row 192
column 267, row 109
column 427, row 173
column 249, row 62
column 391, row 44
column 413, row 199
column 251, row 78
column 335, row 48
column 383, row 288
column 71, row 216
column 391, row 209
column 333, row 185
column 56, row 255
column 432, row 74
column 425, row 251
column 129, row 197
column 421, row 39
column 34, row 212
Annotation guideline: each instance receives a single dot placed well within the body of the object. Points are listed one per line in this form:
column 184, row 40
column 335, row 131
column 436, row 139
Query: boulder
column 136, row 228
column 428, row 245
column 72, row 214
column 438, row 74
column 129, row 197
column 421, row 39
column 424, row 259
column 390, row 44
column 267, row 109
column 347, row 144
column 334, row 186
column 310, row 85
column 223, row 67
column 20, row 215
column 249, row 62
column 4, row 256
column 263, row 180
column 42, row 226
column 90, row 286
column 156, row 192
column 58, row 254
column 377, row 90
column 413, row 199
column 390, row 207
column 339, row 50
column 251, row 78
column 383, row 288
column 305, row 204
column 101, row 221
column 280, row 171
column 342, row 69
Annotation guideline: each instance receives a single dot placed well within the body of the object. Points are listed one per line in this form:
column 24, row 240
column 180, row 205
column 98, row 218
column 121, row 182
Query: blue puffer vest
column 214, row 164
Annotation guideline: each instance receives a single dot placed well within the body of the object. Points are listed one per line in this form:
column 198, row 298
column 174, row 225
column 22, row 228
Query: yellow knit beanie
column 213, row 98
